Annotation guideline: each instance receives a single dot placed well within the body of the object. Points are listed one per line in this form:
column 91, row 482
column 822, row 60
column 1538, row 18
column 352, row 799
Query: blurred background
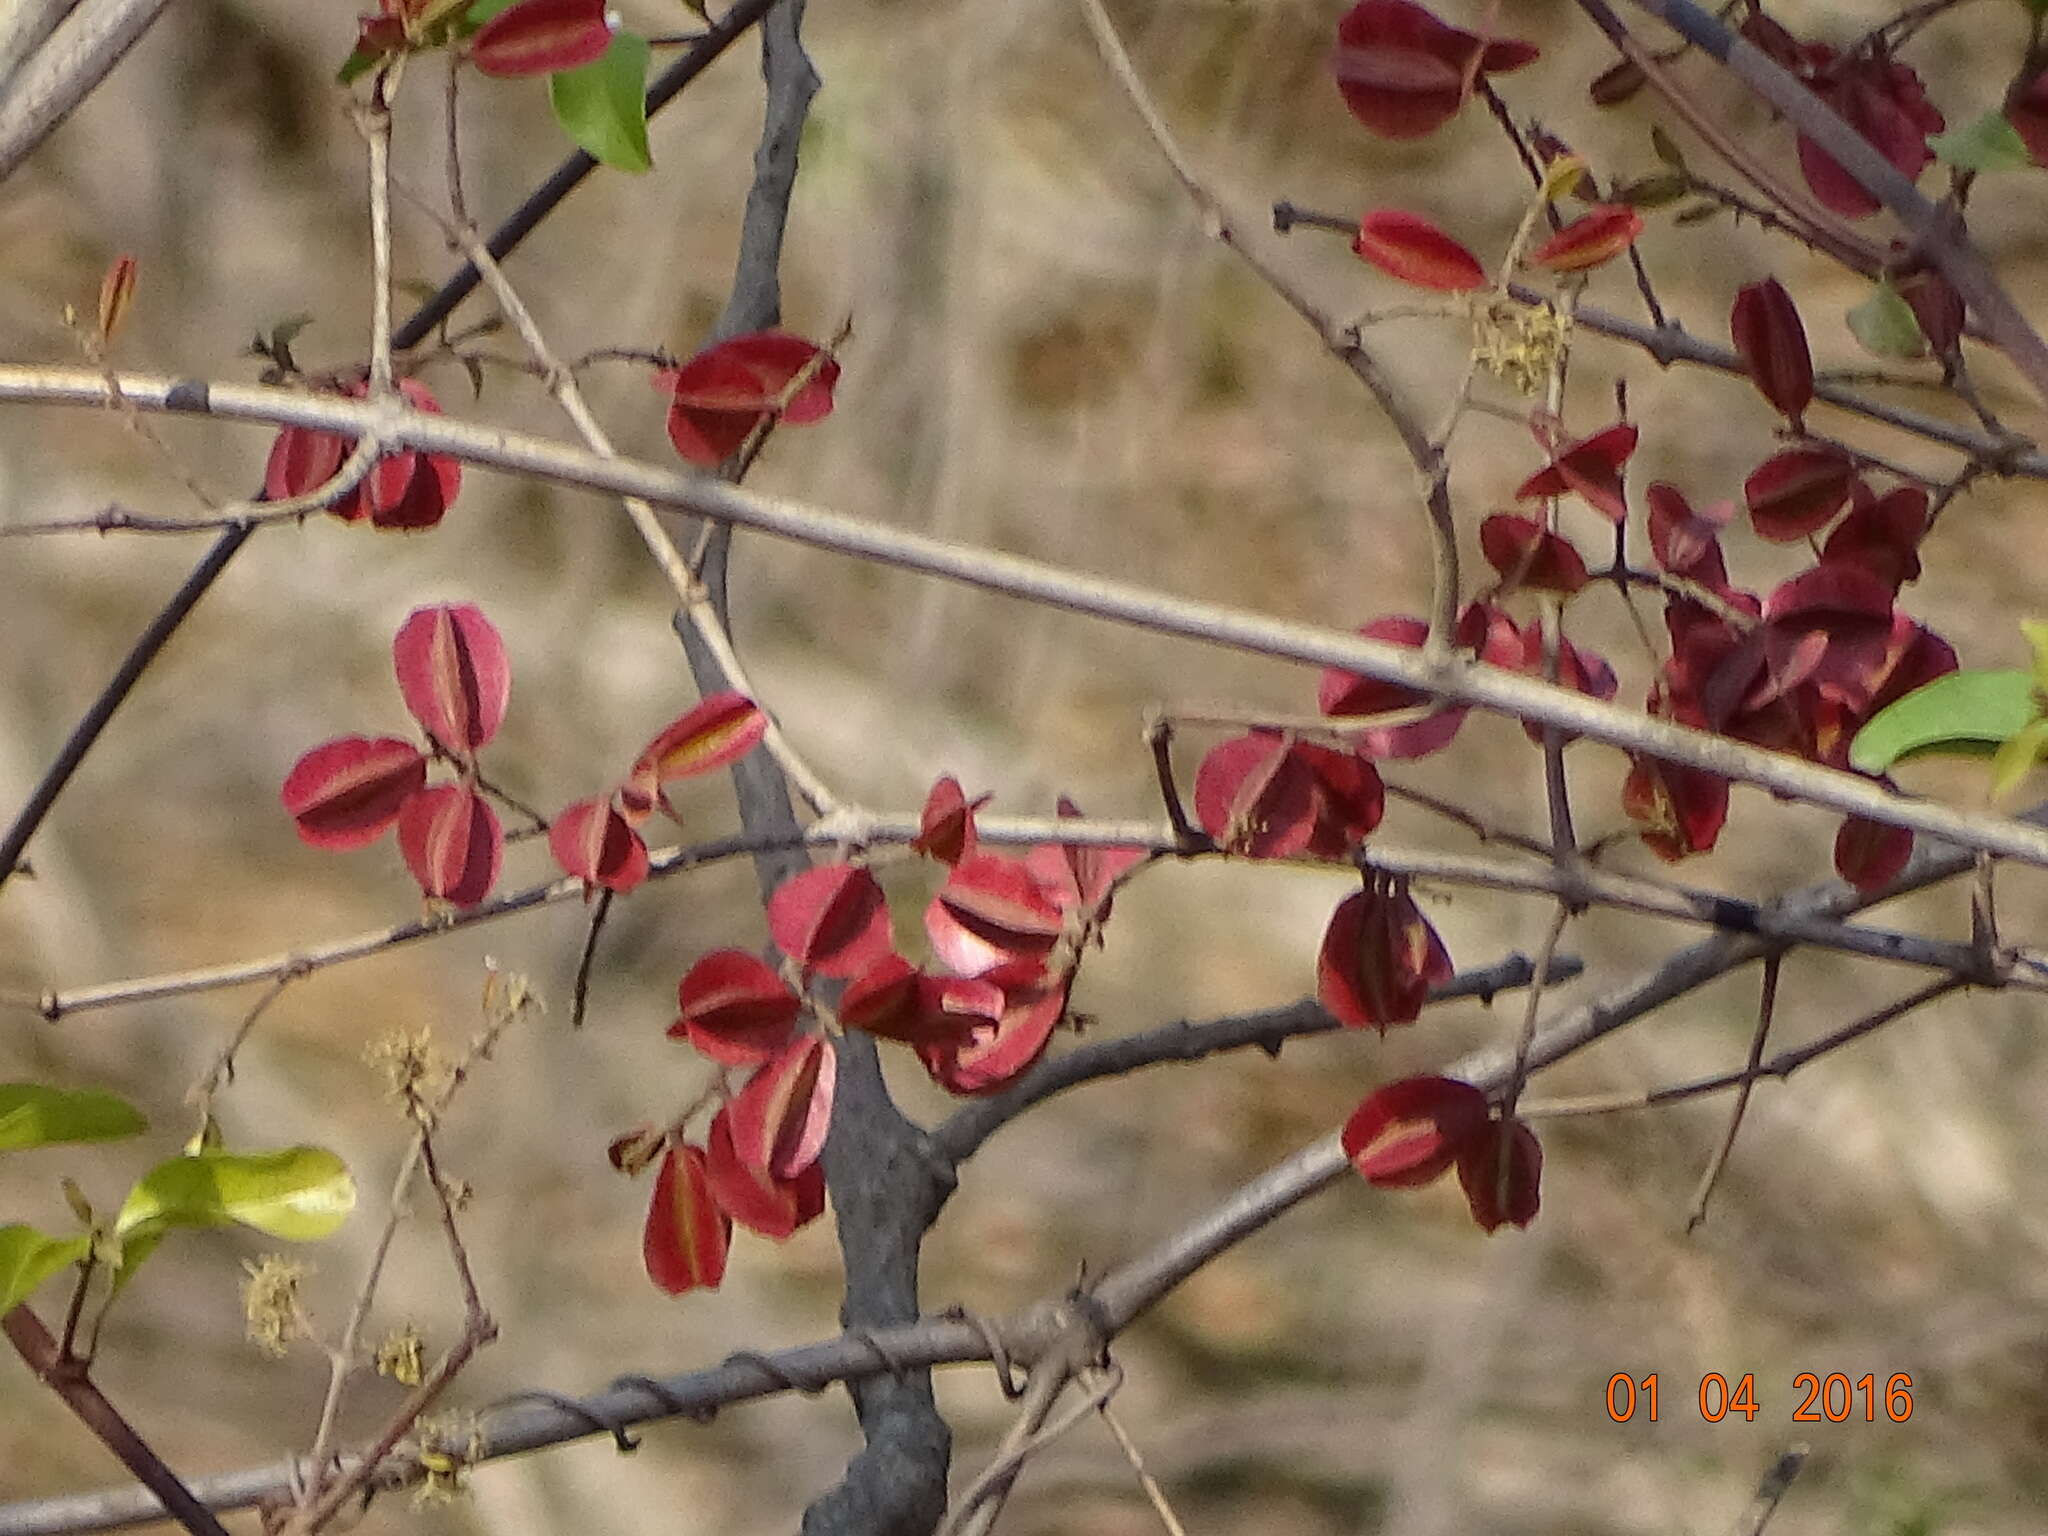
column 1048, row 357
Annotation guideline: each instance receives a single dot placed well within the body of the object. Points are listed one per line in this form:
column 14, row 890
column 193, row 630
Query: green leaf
column 29, row 1257
column 33, row 1116
column 1965, row 714
column 1990, row 143
column 1886, row 325
column 299, row 1193
column 358, row 64
column 481, row 11
column 2016, row 759
column 1666, row 149
column 2037, row 641
column 603, row 104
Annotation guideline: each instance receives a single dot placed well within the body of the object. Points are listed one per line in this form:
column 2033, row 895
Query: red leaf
column 831, row 919
column 724, row 392
column 1529, row 556
column 995, row 1055
column 1882, row 537
column 1380, row 957
column 406, row 490
column 1347, row 693
column 1408, row 246
column 1255, row 795
column 1350, row 799
column 301, row 460
column 779, row 1120
column 721, row 730
column 1497, row 1195
column 1796, row 492
column 887, row 1000
column 687, row 1234
column 539, row 37
column 945, row 831
column 1680, row 810
column 993, row 917
column 772, row 1207
column 1767, row 332
column 452, row 843
column 345, row 793
column 1403, row 73
column 1600, row 234
column 1409, row 1132
column 735, row 1008
column 597, row 845
column 1082, row 874
column 1685, row 542
column 1883, row 100
column 1936, row 304
column 1870, row 854
column 1592, row 467
column 453, row 674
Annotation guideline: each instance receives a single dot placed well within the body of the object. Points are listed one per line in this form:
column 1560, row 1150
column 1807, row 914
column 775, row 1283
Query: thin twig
column 1766, row 1006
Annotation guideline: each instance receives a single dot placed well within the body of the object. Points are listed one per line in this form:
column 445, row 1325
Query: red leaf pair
column 1592, row 467
column 723, row 393
column 1268, row 796
column 735, row 1009
column 1379, row 959
column 405, row 489
column 1410, row 247
column 1411, row 1132
column 1349, row 694
column 456, row 680
column 1404, row 74
column 1678, row 811
column 1528, row 556
column 539, row 37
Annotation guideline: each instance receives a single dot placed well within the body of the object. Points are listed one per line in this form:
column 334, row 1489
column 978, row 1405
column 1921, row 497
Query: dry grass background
column 1048, row 357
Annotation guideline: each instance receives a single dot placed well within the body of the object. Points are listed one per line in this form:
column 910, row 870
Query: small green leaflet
column 34, row 1116
column 29, row 1257
column 1886, row 325
column 299, row 1193
column 1965, row 714
column 603, row 104
column 1990, row 143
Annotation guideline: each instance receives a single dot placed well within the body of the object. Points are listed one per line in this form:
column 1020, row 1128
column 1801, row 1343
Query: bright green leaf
column 1965, row 714
column 299, row 1193
column 33, row 1116
column 1990, row 143
column 358, row 64
column 2037, row 641
column 481, row 11
column 2016, row 759
column 29, row 1257
column 1886, row 325
column 603, row 104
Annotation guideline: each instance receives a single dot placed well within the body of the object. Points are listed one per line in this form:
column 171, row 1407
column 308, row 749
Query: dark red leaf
column 345, row 793
column 1409, row 1132
column 1685, row 542
column 831, row 919
column 687, row 1235
column 1349, row 694
column 1882, row 537
column 1502, row 1191
column 723, row 393
column 1870, row 854
column 1592, row 467
column 452, row 843
column 1403, row 73
column 992, row 1057
column 945, row 830
column 1380, row 957
column 772, row 1207
column 454, row 675
column 1884, row 101
column 1768, row 334
column 539, row 37
column 597, row 845
column 1408, row 246
column 1679, row 811
column 735, row 1008
column 779, row 1120
column 301, row 460
column 1527, row 555
column 1082, row 874
column 1798, row 492
column 1256, row 796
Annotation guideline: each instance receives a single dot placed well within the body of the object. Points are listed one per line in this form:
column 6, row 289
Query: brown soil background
column 1049, row 357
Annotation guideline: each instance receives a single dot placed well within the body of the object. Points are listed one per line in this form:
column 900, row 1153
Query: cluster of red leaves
column 1008, row 933
column 1878, row 96
column 720, row 397
column 1404, row 74
column 598, row 840
column 1409, row 1133
column 1412, row 248
column 404, row 489
column 346, row 793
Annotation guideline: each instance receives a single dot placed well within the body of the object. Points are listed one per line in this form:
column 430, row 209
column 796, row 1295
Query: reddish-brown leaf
column 1884, row 100
column 687, row 1234
column 347, row 792
column 1502, row 1191
column 1256, row 796
column 1347, row 693
column 1685, row 542
column 1772, row 342
column 117, row 292
column 1380, row 956
column 1527, row 555
column 597, row 845
column 1403, row 73
column 1408, row 246
column 453, row 674
column 1409, row 1132
column 1798, row 492
column 993, row 1055
column 779, row 1120
column 945, row 830
column 831, row 919
column 1592, row 467
column 735, row 1008
column 723, row 393
column 772, row 1207
column 539, row 37
column 1870, row 854
column 452, row 843
column 1882, row 536
column 1600, row 234
column 1679, row 811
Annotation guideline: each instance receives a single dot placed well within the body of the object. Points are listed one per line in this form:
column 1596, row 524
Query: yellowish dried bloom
column 1520, row 344
column 402, row 1356
column 270, row 1302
